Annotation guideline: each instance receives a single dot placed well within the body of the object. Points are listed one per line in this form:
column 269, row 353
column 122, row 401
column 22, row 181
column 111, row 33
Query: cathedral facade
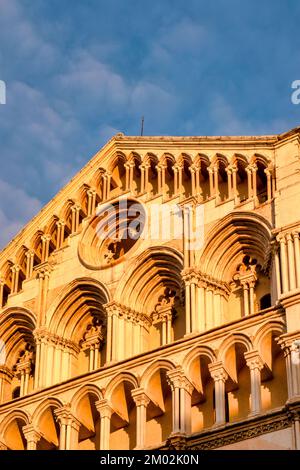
column 154, row 302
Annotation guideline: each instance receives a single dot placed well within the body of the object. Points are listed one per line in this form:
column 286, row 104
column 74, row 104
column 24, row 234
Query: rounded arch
column 274, row 327
column 231, row 340
column 115, row 381
column 197, row 351
column 86, row 389
column 230, row 239
column 162, row 265
column 13, row 415
column 49, row 402
column 239, row 158
column 154, row 367
column 17, row 325
column 81, row 298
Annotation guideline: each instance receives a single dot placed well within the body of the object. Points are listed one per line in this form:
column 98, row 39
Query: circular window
column 112, row 233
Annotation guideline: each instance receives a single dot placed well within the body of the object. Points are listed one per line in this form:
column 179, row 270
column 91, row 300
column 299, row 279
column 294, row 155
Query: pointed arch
column 154, row 367
column 116, row 381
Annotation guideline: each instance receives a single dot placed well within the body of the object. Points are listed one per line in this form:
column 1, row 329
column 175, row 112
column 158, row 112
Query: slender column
column 75, row 218
column 269, row 183
column 255, row 364
column 45, row 247
column 201, row 310
column 198, row 188
column 251, row 296
column 234, row 183
column 163, row 180
column 211, row 181
column 182, row 390
column 32, row 436
column 169, row 328
column 254, row 170
column 193, row 179
column 91, row 201
column 277, row 270
column 15, row 269
column 105, row 410
column 176, row 186
column 142, row 168
column 284, row 267
column 193, row 307
column 159, row 186
column 216, row 179
column 127, row 176
column 147, row 188
column 131, row 167
column 69, row 428
column 290, row 343
column 229, row 181
column 29, row 263
column 104, row 190
column 249, row 175
column 188, row 307
column 209, row 308
column 141, row 401
column 246, row 298
column 219, row 375
column 60, row 233
column 179, row 181
column 2, row 283
column 291, row 261
column 297, row 256
column 109, row 338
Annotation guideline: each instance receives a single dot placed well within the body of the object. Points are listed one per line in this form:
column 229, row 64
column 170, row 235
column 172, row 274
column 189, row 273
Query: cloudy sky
column 77, row 72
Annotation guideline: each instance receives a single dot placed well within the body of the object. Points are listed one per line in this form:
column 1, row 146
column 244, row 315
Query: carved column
column 291, row 261
column 75, row 210
column 45, row 247
column 29, row 263
column 290, row 343
column 2, row 284
column 283, row 260
column 32, row 436
column 219, row 375
column 141, row 401
column 267, row 171
column 15, row 270
column 255, row 364
column 43, row 275
column 297, row 256
column 105, row 410
column 249, row 175
column 254, row 178
column 69, row 428
column 229, row 180
column 182, row 390
column 211, row 181
column 60, row 233
column 91, row 193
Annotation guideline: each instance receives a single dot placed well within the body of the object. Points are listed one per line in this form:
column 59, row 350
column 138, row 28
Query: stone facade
column 150, row 340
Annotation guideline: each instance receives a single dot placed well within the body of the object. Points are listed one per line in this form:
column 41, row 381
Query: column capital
column 31, row 433
column 253, row 360
column 64, row 415
column 105, row 408
column 140, row 397
column 178, row 379
column 218, row 371
column 290, row 342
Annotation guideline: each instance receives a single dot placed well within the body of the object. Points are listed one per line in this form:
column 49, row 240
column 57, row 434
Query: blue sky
column 78, row 72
